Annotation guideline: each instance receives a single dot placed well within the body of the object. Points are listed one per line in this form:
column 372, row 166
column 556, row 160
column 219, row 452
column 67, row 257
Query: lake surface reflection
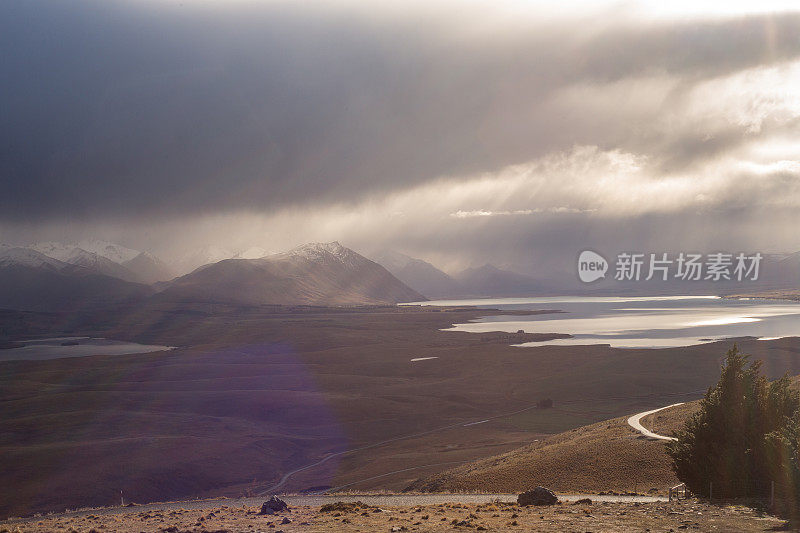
column 639, row 322
column 60, row 347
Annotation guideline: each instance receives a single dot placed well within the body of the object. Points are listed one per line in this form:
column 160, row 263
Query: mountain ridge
column 108, row 259
column 418, row 274
column 32, row 281
column 311, row 274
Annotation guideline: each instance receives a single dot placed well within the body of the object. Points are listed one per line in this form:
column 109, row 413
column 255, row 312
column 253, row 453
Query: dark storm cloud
column 120, row 109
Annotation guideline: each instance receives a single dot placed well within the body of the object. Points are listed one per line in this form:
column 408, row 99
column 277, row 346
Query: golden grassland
column 601, row 457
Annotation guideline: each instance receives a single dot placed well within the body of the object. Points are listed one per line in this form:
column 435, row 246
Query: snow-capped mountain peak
column 16, row 256
column 311, row 274
column 109, row 250
column 109, row 259
column 319, row 251
column 79, row 255
column 56, row 250
column 316, row 248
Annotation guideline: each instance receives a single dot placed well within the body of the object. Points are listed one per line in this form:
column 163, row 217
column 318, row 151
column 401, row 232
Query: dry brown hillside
column 605, row 456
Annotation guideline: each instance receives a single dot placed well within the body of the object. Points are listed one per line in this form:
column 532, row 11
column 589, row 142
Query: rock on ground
column 537, row 496
column 273, row 505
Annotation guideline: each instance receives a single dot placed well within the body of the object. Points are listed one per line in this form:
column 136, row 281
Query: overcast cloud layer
column 460, row 132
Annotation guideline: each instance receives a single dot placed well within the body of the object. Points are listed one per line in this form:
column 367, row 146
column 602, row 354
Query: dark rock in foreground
column 537, row 496
column 273, row 505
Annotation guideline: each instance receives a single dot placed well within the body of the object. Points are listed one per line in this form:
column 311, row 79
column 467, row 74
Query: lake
column 639, row 322
column 54, row 348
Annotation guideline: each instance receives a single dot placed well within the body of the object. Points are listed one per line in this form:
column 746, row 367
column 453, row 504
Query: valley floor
column 376, row 398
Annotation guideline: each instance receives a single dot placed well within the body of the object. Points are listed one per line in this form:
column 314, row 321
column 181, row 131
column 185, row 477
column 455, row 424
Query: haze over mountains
column 312, row 274
column 55, row 276
column 488, row 280
column 483, row 281
column 32, row 281
column 418, row 274
column 200, row 257
column 109, row 259
column 776, row 272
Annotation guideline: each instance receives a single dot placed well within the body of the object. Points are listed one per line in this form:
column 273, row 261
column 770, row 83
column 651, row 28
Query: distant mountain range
column 488, row 280
column 109, row 259
column 51, row 275
column 421, row 276
column 54, row 276
column 89, row 260
column 484, row 281
column 201, row 257
column 32, row 281
column 215, row 254
column 777, row 272
column 312, row 274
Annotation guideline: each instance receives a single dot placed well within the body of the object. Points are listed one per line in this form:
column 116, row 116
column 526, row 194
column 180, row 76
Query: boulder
column 537, row 496
column 273, row 505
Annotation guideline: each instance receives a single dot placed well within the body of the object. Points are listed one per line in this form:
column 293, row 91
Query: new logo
column 591, row 266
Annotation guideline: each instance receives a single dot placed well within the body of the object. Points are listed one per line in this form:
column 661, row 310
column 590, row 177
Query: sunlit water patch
column 61, row 347
column 639, row 322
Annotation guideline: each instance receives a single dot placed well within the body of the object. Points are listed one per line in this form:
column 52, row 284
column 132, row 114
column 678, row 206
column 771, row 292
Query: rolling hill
column 608, row 455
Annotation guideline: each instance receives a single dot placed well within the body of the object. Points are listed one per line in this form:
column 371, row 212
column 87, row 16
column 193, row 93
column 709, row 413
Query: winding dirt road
column 635, row 422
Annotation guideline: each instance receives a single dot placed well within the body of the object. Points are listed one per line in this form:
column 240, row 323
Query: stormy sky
column 458, row 131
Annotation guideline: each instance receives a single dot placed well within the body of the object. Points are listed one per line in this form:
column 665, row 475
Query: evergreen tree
column 743, row 437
